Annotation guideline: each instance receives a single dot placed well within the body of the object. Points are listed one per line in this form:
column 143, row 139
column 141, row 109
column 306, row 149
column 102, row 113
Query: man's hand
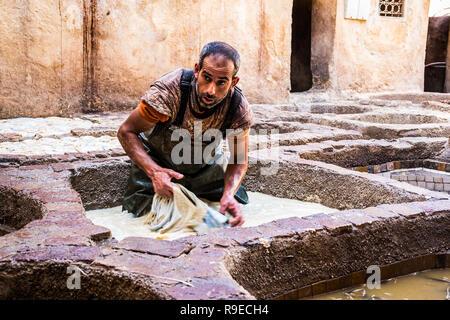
column 161, row 181
column 128, row 137
column 229, row 204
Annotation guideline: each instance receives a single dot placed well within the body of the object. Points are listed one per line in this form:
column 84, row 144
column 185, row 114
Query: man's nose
column 211, row 89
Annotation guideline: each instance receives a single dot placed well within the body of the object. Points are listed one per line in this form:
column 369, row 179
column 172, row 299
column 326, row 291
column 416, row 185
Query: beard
column 213, row 99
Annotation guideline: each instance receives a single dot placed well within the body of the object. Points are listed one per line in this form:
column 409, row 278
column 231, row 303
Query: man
column 189, row 102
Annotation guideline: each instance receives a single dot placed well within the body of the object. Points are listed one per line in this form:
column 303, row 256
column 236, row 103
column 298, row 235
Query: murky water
column 425, row 285
column 261, row 209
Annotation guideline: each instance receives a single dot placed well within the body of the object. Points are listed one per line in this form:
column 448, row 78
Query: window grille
column 391, row 8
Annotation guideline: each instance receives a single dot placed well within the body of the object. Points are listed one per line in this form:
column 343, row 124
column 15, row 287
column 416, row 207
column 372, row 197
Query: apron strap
column 185, row 86
column 234, row 105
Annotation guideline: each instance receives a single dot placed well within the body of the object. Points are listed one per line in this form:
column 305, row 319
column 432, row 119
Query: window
column 357, row 9
column 391, row 8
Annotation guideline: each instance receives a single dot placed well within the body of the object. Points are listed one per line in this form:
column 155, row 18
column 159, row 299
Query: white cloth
column 183, row 213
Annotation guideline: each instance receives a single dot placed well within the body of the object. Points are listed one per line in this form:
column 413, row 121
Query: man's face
column 214, row 79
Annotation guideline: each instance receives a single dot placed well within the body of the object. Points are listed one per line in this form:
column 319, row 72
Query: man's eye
column 207, row 78
column 220, row 83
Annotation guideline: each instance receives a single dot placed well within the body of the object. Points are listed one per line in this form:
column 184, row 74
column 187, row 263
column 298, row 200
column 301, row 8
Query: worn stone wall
column 140, row 41
column 94, row 55
column 137, row 42
column 40, row 57
column 447, row 76
column 60, row 57
column 381, row 53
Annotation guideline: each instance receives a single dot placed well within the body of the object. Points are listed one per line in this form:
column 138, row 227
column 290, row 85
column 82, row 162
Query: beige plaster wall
column 40, row 57
column 48, row 59
column 381, row 53
column 140, row 40
column 447, row 75
column 261, row 31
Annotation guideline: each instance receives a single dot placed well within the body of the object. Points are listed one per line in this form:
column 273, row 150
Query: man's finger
column 175, row 174
column 166, row 191
column 222, row 209
column 238, row 221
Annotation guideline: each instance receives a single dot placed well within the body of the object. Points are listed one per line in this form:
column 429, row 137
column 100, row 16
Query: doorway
column 301, row 76
column 436, row 54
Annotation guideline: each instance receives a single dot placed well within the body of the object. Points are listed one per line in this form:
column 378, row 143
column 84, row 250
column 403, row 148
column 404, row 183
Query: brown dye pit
column 419, row 278
column 424, row 285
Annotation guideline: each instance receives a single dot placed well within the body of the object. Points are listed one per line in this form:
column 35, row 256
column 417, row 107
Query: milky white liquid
column 262, row 208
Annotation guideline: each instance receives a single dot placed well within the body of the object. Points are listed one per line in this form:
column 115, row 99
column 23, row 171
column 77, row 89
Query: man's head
column 216, row 73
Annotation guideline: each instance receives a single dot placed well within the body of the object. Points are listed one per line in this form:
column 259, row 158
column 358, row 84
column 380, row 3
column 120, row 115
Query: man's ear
column 196, row 70
column 234, row 81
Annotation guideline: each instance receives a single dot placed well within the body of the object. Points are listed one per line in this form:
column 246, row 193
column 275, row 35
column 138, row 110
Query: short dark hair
column 223, row 49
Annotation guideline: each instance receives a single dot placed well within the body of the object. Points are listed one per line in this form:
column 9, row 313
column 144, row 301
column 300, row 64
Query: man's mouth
column 207, row 100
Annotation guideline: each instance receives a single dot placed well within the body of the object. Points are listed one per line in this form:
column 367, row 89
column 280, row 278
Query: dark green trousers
column 207, row 183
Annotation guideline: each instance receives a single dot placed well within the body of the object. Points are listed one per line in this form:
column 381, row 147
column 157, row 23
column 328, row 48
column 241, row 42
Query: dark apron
column 205, row 180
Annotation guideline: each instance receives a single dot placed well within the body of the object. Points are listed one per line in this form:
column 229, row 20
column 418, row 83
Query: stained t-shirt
column 162, row 102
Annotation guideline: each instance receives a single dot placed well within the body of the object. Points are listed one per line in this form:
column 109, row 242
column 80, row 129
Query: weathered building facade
column 447, row 76
column 62, row 56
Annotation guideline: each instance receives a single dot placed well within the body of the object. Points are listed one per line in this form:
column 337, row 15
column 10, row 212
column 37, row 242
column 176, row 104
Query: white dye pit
column 262, row 208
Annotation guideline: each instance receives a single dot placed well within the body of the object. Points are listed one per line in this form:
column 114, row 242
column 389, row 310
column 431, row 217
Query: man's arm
column 128, row 137
column 234, row 175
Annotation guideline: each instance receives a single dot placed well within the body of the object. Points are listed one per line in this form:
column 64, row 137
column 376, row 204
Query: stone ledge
column 431, row 207
column 169, row 249
column 299, row 225
column 380, row 213
column 58, row 195
column 62, row 253
column 404, row 210
column 94, row 232
column 356, row 217
column 65, row 206
column 12, row 160
column 240, row 236
column 332, row 224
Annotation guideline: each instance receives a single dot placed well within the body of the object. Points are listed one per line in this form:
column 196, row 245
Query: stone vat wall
column 327, row 184
column 284, row 255
column 381, row 235
column 17, row 209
